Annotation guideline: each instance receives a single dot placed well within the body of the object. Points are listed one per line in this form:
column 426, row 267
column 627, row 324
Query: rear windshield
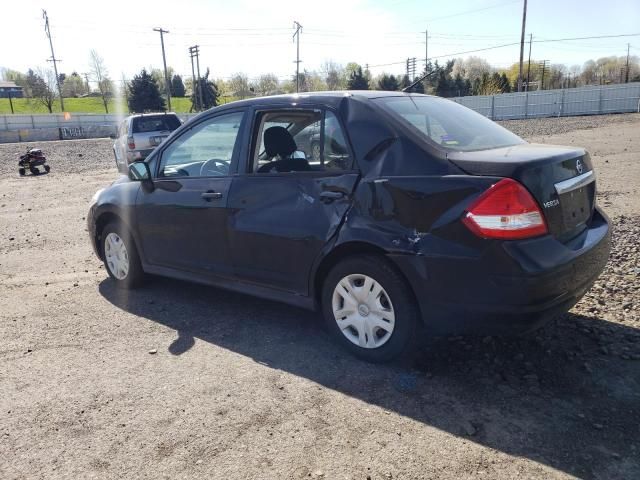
column 155, row 123
column 448, row 124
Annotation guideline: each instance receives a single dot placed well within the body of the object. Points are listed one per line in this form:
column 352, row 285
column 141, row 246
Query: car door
column 281, row 221
column 182, row 221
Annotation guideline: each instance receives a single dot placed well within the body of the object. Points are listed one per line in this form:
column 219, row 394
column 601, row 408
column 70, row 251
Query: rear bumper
column 511, row 287
column 135, row 155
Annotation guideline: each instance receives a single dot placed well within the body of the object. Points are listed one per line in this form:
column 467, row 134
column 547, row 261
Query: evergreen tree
column 444, row 86
column 388, row 82
column 177, row 86
column 418, row 87
column 504, row 81
column 210, row 93
column 403, row 81
column 144, row 95
column 357, row 80
column 459, row 86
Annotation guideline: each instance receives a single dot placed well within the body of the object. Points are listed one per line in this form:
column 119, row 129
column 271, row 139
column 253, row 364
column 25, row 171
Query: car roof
column 329, row 97
column 151, row 114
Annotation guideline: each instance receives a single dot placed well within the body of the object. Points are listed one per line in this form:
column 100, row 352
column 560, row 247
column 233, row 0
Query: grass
column 83, row 105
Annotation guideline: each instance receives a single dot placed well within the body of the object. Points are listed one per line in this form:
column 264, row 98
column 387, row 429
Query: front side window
column 448, row 124
column 205, row 150
column 299, row 140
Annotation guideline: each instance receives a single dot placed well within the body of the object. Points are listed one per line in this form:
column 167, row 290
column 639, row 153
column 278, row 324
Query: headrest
column 278, row 141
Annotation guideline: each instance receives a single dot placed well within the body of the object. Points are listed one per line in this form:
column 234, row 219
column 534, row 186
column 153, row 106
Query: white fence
column 622, row 98
column 58, row 126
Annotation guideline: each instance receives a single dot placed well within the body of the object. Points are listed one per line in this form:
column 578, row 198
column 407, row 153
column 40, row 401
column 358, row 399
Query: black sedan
column 416, row 213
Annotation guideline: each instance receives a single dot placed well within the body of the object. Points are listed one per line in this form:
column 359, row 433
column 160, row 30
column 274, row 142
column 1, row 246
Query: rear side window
column 448, row 124
column 308, row 140
column 155, row 123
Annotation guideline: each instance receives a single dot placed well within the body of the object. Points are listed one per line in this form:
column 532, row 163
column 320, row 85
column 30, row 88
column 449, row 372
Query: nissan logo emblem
column 579, row 166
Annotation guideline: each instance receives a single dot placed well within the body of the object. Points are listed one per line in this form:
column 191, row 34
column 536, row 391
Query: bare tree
column 100, row 75
column 267, row 84
column 43, row 87
column 239, row 85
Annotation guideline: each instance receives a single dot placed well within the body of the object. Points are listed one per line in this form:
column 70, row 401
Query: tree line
column 459, row 77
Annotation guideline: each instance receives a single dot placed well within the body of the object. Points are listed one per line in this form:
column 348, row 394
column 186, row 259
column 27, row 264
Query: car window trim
column 234, row 156
column 253, row 143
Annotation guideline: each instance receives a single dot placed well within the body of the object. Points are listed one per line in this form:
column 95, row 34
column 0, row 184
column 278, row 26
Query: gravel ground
column 183, row 381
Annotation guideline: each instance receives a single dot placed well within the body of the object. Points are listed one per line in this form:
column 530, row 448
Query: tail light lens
column 506, row 211
column 131, row 144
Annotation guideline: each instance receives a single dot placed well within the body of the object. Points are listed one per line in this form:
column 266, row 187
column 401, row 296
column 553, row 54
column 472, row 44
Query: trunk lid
column 561, row 179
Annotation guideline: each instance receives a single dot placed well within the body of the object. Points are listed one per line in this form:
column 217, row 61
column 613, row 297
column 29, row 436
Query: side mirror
column 140, row 172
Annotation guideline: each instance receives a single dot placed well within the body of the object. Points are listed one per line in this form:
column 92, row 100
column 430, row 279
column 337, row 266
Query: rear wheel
column 22, row 171
column 369, row 308
column 47, row 168
column 121, row 257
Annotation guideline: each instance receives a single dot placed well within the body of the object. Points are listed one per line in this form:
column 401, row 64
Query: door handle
column 208, row 196
column 329, row 196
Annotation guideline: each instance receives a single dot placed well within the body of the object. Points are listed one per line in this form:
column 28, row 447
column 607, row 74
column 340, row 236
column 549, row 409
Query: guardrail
column 590, row 100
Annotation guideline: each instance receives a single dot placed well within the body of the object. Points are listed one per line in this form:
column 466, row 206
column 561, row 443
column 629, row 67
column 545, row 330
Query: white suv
column 138, row 135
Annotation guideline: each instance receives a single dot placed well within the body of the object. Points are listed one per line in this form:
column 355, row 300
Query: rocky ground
column 183, row 381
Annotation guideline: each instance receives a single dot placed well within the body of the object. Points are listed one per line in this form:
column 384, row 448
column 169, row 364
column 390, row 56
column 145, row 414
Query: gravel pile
column 616, row 294
column 553, row 126
column 71, row 156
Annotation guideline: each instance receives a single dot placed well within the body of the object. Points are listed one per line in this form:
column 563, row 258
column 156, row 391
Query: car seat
column 279, row 143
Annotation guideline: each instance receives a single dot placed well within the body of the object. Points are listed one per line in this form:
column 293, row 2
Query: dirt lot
column 245, row 388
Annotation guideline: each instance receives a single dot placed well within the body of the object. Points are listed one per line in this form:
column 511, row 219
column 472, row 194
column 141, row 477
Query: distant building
column 10, row 89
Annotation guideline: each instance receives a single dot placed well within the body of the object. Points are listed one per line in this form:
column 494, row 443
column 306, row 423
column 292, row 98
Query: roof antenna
column 424, row 77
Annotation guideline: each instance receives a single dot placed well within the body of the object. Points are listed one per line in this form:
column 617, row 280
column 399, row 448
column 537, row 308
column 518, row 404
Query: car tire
column 34, row 171
column 383, row 322
column 120, row 256
column 22, row 172
column 47, row 168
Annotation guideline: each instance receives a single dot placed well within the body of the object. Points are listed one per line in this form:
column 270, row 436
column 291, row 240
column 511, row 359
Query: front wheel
column 369, row 308
column 22, row 171
column 121, row 257
column 47, row 168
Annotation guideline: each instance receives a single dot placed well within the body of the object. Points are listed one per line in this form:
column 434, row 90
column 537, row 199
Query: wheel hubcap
column 116, row 255
column 363, row 311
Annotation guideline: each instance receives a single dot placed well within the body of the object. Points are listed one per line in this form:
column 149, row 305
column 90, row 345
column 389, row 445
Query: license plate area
column 577, row 206
column 157, row 140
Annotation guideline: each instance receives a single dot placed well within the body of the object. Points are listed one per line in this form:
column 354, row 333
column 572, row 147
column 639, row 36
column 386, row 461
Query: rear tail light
column 506, row 211
column 131, row 143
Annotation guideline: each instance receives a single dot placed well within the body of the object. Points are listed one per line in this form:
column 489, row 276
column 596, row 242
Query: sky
column 256, row 37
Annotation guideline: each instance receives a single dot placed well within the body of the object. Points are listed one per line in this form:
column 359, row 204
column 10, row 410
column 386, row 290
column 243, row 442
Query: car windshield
column 448, row 124
column 155, row 123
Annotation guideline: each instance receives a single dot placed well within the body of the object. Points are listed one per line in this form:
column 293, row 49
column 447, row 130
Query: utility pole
column 426, row 51
column 543, row 65
column 199, row 78
column 86, row 81
column 194, row 87
column 53, row 57
column 164, row 62
column 296, row 36
column 526, row 88
column 411, row 68
column 197, row 84
column 524, row 24
column 626, row 79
